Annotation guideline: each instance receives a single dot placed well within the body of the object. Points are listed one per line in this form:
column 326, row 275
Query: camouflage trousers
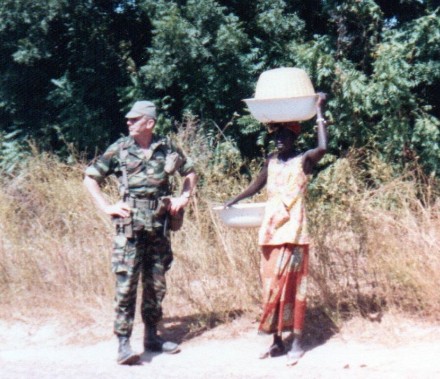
column 147, row 254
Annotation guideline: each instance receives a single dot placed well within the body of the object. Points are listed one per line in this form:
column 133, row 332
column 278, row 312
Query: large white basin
column 246, row 215
column 283, row 109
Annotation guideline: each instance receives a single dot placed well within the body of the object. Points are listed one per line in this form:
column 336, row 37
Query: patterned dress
column 284, row 240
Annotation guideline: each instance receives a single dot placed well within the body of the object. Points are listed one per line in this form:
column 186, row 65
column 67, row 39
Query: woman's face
column 284, row 140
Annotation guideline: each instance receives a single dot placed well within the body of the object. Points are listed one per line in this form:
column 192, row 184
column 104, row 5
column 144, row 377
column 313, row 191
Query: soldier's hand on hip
column 119, row 209
column 178, row 203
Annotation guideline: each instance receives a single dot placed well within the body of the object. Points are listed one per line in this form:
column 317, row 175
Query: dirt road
column 394, row 348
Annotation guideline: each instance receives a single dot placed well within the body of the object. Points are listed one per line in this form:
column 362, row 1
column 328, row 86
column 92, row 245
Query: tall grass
column 53, row 244
column 376, row 238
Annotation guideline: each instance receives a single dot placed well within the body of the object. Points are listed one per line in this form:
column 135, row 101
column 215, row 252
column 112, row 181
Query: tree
column 62, row 66
column 70, row 69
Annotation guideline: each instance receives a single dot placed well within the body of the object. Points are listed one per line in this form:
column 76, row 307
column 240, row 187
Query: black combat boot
column 126, row 356
column 153, row 342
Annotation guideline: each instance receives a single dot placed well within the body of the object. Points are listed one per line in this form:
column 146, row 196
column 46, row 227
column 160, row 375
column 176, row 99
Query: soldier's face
column 139, row 125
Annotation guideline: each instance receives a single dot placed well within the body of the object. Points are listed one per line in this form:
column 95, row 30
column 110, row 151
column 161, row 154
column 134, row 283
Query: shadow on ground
column 181, row 329
column 318, row 326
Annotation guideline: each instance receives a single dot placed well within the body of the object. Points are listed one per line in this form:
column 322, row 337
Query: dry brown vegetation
column 376, row 240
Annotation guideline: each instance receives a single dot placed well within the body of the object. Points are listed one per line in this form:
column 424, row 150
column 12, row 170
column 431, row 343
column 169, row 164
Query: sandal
column 275, row 350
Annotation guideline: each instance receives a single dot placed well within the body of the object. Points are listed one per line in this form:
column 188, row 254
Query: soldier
column 144, row 164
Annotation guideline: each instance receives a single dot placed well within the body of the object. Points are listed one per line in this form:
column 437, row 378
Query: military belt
column 145, row 203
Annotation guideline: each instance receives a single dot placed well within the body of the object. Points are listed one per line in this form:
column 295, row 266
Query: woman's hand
column 230, row 203
column 322, row 97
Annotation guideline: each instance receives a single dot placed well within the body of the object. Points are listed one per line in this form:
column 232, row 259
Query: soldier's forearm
column 94, row 190
column 189, row 184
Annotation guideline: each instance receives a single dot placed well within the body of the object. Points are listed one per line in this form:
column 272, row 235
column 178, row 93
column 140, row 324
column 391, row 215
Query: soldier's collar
column 156, row 142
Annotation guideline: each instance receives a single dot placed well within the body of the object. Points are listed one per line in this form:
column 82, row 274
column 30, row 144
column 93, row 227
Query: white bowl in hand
column 246, row 215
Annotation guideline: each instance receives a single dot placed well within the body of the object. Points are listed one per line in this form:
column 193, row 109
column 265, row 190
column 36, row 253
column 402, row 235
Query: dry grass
column 53, row 244
column 376, row 238
column 216, row 268
column 376, row 241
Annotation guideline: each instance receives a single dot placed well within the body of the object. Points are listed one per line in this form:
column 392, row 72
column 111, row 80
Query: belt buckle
column 147, row 203
column 152, row 204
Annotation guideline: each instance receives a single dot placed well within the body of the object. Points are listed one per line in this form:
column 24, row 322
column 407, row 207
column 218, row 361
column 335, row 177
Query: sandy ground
column 393, row 348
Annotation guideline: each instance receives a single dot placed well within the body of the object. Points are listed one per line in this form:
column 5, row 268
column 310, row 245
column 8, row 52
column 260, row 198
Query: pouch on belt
column 175, row 222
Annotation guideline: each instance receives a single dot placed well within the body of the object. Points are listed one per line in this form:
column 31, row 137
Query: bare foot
column 295, row 353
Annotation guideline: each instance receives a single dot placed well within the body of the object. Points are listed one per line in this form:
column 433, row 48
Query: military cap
column 142, row 108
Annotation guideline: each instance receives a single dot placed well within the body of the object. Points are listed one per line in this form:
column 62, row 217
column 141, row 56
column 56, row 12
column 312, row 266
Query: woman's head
column 285, row 135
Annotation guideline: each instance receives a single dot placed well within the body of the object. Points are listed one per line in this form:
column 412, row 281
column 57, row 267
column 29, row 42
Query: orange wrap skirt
column 284, row 278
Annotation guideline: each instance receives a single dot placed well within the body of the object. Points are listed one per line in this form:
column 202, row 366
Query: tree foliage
column 62, row 65
column 70, row 69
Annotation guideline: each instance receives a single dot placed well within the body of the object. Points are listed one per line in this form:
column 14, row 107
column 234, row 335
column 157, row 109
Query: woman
column 283, row 235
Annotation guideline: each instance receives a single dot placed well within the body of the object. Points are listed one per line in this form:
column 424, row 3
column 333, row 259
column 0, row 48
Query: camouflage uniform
column 148, row 251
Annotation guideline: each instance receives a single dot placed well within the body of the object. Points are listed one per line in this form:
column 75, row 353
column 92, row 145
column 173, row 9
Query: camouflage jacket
column 147, row 177
column 146, row 174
